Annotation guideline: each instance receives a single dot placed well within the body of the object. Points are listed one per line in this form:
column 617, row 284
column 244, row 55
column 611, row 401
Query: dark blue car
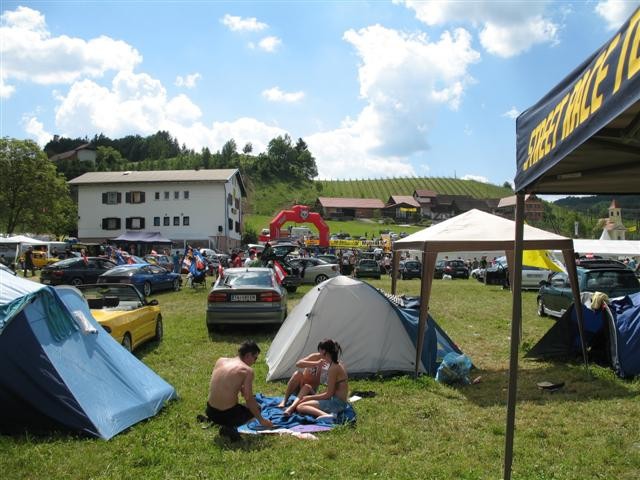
column 145, row 277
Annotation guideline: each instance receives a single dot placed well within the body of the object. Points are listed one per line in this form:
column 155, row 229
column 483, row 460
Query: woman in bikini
column 334, row 399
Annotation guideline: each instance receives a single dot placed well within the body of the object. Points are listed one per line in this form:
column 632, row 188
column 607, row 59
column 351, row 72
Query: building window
column 166, row 221
column 156, row 221
column 111, row 224
column 186, row 194
column 176, row 221
column 237, row 203
column 231, row 224
column 111, row 198
column 166, row 195
column 157, row 195
column 176, row 195
column 238, row 227
column 229, row 199
column 135, row 223
column 134, row 197
column 185, row 221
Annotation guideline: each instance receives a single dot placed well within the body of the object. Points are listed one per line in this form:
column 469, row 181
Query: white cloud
column 30, row 53
column 188, row 81
column 477, row 178
column 616, row 12
column 276, row 95
column 35, row 129
column 512, row 113
column 505, row 29
column 404, row 79
column 270, row 44
column 6, row 90
column 239, row 24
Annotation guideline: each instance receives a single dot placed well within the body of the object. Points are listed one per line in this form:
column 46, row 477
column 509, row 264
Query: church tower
column 614, row 226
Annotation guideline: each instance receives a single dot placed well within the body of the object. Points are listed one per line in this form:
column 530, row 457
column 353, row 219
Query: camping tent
column 377, row 332
column 582, row 137
column 60, row 370
column 471, row 231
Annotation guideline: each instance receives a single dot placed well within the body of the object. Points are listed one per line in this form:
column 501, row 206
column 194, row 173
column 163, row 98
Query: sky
column 376, row 89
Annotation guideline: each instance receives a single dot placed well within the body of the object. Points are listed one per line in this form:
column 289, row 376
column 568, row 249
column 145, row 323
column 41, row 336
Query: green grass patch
column 411, row 429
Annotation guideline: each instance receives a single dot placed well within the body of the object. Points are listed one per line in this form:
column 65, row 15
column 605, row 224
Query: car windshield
column 121, row 269
column 248, row 278
column 66, row 262
column 608, row 279
column 411, row 264
column 368, row 263
column 126, row 293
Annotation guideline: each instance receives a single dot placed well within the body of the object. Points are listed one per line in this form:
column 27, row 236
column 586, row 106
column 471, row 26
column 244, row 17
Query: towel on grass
column 293, row 423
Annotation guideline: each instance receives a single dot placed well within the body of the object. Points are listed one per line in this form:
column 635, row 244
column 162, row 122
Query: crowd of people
column 233, row 377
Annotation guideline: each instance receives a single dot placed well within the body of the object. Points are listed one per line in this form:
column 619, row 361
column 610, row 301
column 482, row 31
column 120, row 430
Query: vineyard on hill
column 267, row 198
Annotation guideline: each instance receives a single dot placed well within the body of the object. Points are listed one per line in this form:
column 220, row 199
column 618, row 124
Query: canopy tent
column 472, row 231
column 142, row 237
column 20, row 239
column 582, row 138
column 608, row 247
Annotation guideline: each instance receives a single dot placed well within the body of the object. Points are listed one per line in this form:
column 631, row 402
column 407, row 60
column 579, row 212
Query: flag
column 280, row 272
column 542, row 259
column 119, row 258
column 632, row 229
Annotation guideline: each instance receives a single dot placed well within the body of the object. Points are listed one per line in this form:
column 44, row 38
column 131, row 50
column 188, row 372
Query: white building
column 202, row 207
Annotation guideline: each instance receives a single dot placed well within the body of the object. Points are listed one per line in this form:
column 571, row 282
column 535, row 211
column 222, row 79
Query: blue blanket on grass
column 296, row 421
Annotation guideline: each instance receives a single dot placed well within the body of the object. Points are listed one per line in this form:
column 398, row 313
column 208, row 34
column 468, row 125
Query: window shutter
column 105, row 222
column 141, row 197
column 119, row 197
column 118, row 223
column 127, row 198
column 142, row 220
column 128, row 222
column 104, row 198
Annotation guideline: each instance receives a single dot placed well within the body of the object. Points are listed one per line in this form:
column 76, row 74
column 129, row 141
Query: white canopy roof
column 478, row 230
column 22, row 239
column 608, row 247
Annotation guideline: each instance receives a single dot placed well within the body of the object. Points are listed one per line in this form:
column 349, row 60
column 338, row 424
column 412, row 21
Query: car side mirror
column 544, row 283
column 152, row 303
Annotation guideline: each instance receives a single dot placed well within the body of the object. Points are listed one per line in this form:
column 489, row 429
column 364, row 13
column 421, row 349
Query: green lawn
column 411, row 429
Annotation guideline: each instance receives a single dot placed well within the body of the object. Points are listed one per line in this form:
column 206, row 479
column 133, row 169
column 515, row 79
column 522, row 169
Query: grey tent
column 595, row 149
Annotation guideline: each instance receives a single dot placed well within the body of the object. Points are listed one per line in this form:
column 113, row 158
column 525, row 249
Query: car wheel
column 320, row 278
column 146, row 289
column 126, row 342
column 159, row 329
column 291, row 289
column 541, row 311
column 76, row 282
column 176, row 285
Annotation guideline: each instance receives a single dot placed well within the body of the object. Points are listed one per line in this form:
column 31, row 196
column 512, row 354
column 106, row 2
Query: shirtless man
column 306, row 380
column 230, row 377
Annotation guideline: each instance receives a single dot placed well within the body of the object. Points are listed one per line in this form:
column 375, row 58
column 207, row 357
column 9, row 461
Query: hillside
column 267, row 198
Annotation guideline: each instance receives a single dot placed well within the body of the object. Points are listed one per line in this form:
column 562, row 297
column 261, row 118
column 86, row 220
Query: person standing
column 229, row 378
column 28, row 262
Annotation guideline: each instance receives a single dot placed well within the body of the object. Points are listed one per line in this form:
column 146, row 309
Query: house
column 83, row 153
column 401, row 207
column 613, row 228
column 201, row 207
column 426, row 199
column 533, row 207
column 348, row 208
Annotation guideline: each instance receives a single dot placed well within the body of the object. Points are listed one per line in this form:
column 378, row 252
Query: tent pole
column 569, row 261
column 395, row 263
column 428, row 262
column 516, row 320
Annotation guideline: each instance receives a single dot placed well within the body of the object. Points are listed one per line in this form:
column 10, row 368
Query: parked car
column 163, row 261
column 280, row 253
column 455, row 268
column 246, row 296
column 612, row 278
column 367, row 268
column 214, row 255
column 7, row 269
column 409, row 269
column 478, row 273
column 124, row 313
column 145, row 277
column 314, row 270
column 329, row 258
column 531, row 276
column 75, row 271
column 40, row 259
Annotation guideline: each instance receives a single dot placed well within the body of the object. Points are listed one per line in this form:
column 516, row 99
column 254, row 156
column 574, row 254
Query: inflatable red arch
column 300, row 214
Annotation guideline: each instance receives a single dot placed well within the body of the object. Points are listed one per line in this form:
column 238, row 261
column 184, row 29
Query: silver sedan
column 315, row 270
column 246, row 296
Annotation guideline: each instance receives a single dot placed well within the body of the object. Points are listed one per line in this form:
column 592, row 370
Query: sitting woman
column 334, row 399
column 306, row 380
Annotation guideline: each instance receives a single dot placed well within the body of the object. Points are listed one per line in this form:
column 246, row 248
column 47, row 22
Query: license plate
column 243, row 298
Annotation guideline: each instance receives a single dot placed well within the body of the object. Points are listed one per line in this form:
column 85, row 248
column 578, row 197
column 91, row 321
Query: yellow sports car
column 124, row 313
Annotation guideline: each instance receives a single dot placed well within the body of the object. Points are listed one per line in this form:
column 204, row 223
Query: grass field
column 411, row 429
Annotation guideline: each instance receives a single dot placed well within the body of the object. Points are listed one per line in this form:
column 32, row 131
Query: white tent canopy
column 607, row 247
column 20, row 239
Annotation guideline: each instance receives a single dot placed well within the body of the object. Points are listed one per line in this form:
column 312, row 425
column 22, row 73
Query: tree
column 248, row 148
column 108, row 159
column 34, row 196
column 229, row 154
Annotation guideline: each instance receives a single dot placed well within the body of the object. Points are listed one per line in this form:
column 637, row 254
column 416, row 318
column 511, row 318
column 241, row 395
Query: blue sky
column 377, row 89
